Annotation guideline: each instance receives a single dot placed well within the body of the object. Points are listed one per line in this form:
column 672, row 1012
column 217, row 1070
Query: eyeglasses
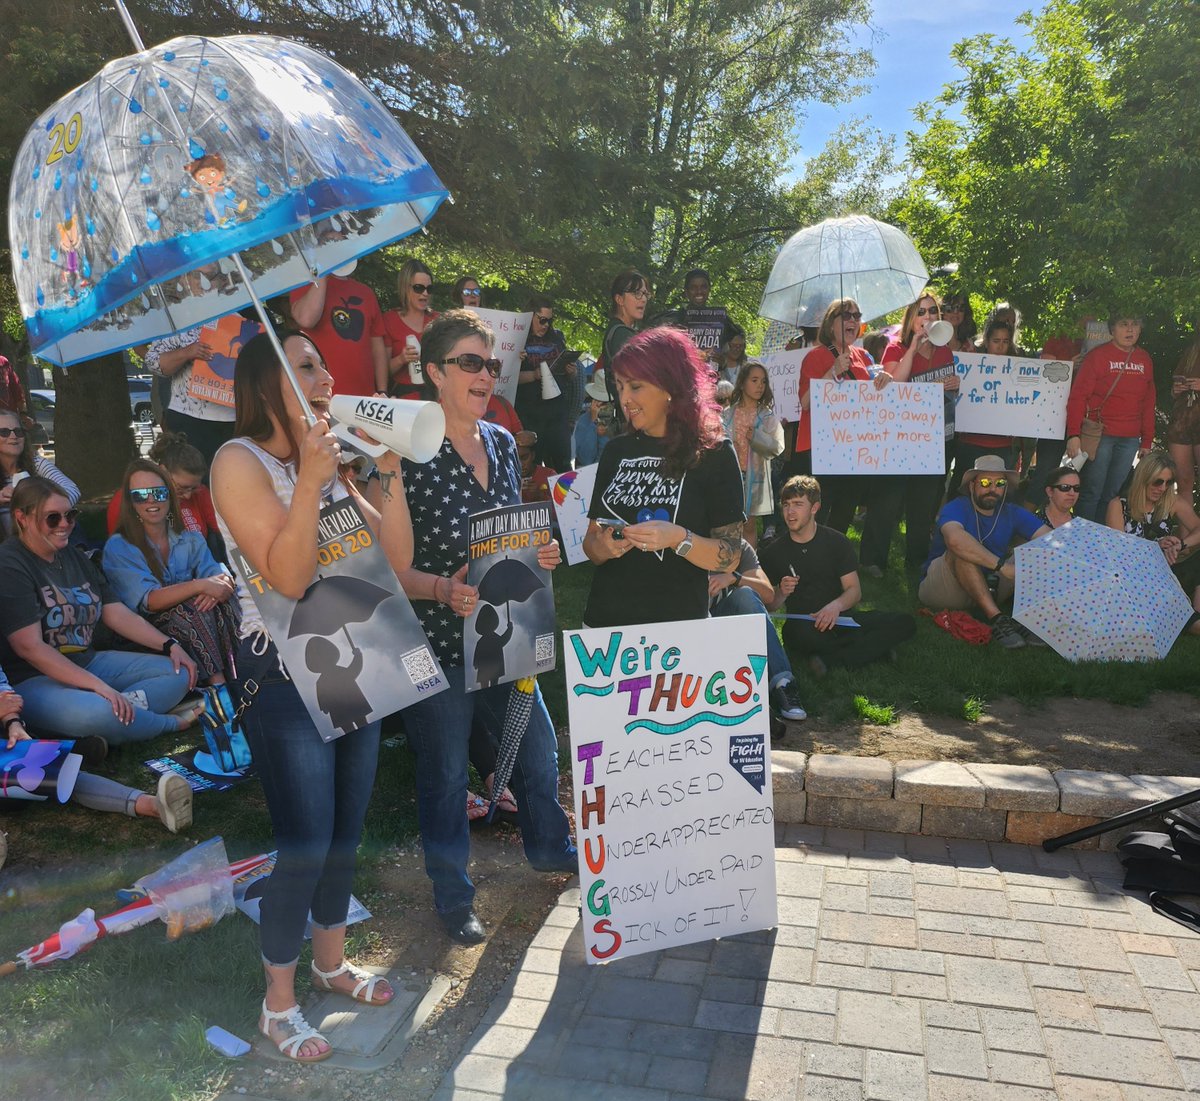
column 6, row 432
column 420, row 288
column 472, row 292
column 58, row 519
column 1067, row 488
column 644, row 293
column 855, row 316
column 956, row 307
column 154, row 493
column 473, row 364
column 923, row 311
column 543, row 320
column 1162, row 482
column 984, row 483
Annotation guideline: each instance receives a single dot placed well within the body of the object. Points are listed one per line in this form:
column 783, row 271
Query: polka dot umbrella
column 1095, row 594
column 192, row 178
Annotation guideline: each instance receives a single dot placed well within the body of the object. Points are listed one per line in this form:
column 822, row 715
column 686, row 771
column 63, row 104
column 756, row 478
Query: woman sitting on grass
column 54, row 596
column 169, row 575
column 171, row 804
column 1062, row 495
column 1153, row 510
column 19, row 460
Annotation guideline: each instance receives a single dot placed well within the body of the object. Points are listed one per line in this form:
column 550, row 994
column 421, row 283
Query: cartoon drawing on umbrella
column 328, row 605
column 505, row 581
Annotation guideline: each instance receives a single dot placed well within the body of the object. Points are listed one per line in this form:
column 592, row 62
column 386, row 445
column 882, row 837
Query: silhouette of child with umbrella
column 338, row 693
column 489, row 649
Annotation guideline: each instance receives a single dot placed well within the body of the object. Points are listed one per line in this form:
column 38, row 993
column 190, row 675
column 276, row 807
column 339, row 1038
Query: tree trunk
column 93, row 440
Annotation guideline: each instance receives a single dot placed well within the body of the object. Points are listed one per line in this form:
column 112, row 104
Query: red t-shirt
column 501, row 412
column 396, row 332
column 937, row 366
column 196, row 512
column 537, row 486
column 1129, row 410
column 1061, row 347
column 349, row 322
column 815, row 365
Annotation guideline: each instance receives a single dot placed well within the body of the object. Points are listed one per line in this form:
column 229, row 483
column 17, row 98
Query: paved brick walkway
column 904, row 967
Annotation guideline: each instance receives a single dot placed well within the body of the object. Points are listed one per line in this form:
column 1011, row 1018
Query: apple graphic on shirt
column 348, row 322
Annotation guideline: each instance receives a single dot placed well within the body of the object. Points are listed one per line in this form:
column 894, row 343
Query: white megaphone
column 550, row 388
column 939, row 333
column 414, row 429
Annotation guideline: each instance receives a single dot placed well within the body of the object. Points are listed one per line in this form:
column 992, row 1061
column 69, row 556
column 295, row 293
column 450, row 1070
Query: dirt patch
column 512, row 901
column 1161, row 737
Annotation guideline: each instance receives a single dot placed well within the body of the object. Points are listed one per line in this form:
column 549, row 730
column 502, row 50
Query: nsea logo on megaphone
column 414, row 429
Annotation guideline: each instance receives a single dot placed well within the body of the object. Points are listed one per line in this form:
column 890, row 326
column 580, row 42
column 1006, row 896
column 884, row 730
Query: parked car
column 41, row 409
column 139, row 397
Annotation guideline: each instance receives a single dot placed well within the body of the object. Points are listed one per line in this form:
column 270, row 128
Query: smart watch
column 166, row 646
column 684, row 547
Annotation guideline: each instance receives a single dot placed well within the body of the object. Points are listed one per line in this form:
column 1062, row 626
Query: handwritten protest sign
column 783, row 369
column 510, row 634
column 212, row 381
column 571, row 493
column 510, row 330
column 706, row 326
column 1006, row 396
column 671, row 755
column 346, row 679
column 857, row 429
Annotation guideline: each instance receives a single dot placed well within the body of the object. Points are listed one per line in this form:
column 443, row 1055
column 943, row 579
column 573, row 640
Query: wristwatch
column 737, row 577
column 166, row 646
column 684, row 547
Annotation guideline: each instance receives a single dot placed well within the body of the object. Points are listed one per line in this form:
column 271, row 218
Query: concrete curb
column 1024, row 804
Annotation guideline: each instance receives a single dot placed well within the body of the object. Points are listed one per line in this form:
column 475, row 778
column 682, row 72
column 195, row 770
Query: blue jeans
column 317, row 793
column 745, row 601
column 438, row 731
column 1103, row 475
column 52, row 707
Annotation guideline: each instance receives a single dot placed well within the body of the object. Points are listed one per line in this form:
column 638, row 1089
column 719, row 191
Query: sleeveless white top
column 283, row 481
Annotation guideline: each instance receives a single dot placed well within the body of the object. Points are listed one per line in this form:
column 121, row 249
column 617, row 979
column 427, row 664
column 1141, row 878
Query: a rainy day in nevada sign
column 671, row 754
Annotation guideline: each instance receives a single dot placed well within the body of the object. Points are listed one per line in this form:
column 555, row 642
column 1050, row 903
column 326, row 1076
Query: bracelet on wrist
column 9, row 722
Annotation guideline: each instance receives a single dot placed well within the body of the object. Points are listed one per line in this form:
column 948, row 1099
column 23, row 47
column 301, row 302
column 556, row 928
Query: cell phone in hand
column 616, row 526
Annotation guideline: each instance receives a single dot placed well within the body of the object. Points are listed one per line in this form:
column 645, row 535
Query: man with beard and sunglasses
column 970, row 566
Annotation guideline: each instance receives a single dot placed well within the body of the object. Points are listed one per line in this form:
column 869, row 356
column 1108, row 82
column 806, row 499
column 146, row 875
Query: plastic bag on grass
column 194, row 890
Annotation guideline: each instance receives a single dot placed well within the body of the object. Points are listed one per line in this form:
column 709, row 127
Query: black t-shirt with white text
column 819, row 565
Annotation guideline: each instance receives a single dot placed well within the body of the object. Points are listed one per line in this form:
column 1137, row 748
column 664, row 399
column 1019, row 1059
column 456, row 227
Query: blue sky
column 912, row 53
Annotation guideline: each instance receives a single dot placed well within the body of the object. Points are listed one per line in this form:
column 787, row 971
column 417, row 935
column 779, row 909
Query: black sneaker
column 785, row 701
column 1030, row 638
column 1006, row 632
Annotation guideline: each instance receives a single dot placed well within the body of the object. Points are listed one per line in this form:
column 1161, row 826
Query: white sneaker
column 174, row 801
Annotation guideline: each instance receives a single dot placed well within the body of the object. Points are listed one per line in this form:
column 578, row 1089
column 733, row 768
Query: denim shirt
column 130, row 575
column 442, row 495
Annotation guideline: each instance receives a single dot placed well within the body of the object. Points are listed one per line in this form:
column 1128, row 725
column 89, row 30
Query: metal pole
column 130, row 26
column 309, row 417
column 1126, row 819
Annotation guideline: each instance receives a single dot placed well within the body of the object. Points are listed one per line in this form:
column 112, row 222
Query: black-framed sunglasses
column 851, row 315
column 421, row 288
column 1065, row 487
column 5, row 433
column 473, row 364
column 543, row 320
column 154, row 493
column 923, row 311
column 57, row 519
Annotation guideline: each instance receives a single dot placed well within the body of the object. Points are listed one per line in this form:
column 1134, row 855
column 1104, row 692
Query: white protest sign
column 571, row 493
column 671, row 754
column 1005, row 396
column 857, row 429
column 510, row 330
column 783, row 369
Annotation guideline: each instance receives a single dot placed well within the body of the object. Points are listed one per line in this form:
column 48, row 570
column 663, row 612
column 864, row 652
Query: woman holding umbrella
column 476, row 469
column 269, row 485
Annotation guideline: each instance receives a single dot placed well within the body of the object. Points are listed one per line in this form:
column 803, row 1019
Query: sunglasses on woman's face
column 58, row 519
column 1065, row 487
column 851, row 315
column 930, row 311
column 473, row 364
column 154, row 493
column 421, row 288
column 471, row 292
column 1162, row 482
column 543, row 320
column 5, row 433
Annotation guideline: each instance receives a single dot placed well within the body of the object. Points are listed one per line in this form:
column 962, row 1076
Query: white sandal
column 299, row 1032
column 364, row 989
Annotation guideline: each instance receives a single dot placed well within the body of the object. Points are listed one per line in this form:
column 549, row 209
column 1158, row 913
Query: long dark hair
column 130, row 525
column 25, row 459
column 767, row 401
column 666, row 357
column 258, row 390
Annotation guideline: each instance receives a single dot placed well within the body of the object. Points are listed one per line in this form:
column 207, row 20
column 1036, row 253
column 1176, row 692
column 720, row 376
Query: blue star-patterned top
column 442, row 494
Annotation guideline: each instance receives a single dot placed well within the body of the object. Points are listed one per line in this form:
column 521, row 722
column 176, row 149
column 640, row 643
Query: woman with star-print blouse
column 476, row 469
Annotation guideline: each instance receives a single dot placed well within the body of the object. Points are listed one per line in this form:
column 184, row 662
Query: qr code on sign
column 419, row 665
column 543, row 653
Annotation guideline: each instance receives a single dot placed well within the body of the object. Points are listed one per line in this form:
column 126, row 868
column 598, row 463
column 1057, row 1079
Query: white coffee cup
column 414, row 368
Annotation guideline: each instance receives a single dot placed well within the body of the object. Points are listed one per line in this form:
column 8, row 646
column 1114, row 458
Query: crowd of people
column 700, row 507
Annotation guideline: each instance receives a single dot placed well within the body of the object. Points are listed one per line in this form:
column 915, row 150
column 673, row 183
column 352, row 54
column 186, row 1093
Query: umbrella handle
column 8, row 968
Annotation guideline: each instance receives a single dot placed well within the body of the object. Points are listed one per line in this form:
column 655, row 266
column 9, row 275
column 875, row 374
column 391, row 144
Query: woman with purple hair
column 667, row 506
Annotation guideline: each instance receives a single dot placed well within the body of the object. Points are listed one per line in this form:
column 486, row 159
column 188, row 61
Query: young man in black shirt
column 815, row 573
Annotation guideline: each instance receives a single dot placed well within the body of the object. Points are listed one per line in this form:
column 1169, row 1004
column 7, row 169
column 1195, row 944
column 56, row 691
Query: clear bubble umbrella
column 192, row 178
column 856, row 257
